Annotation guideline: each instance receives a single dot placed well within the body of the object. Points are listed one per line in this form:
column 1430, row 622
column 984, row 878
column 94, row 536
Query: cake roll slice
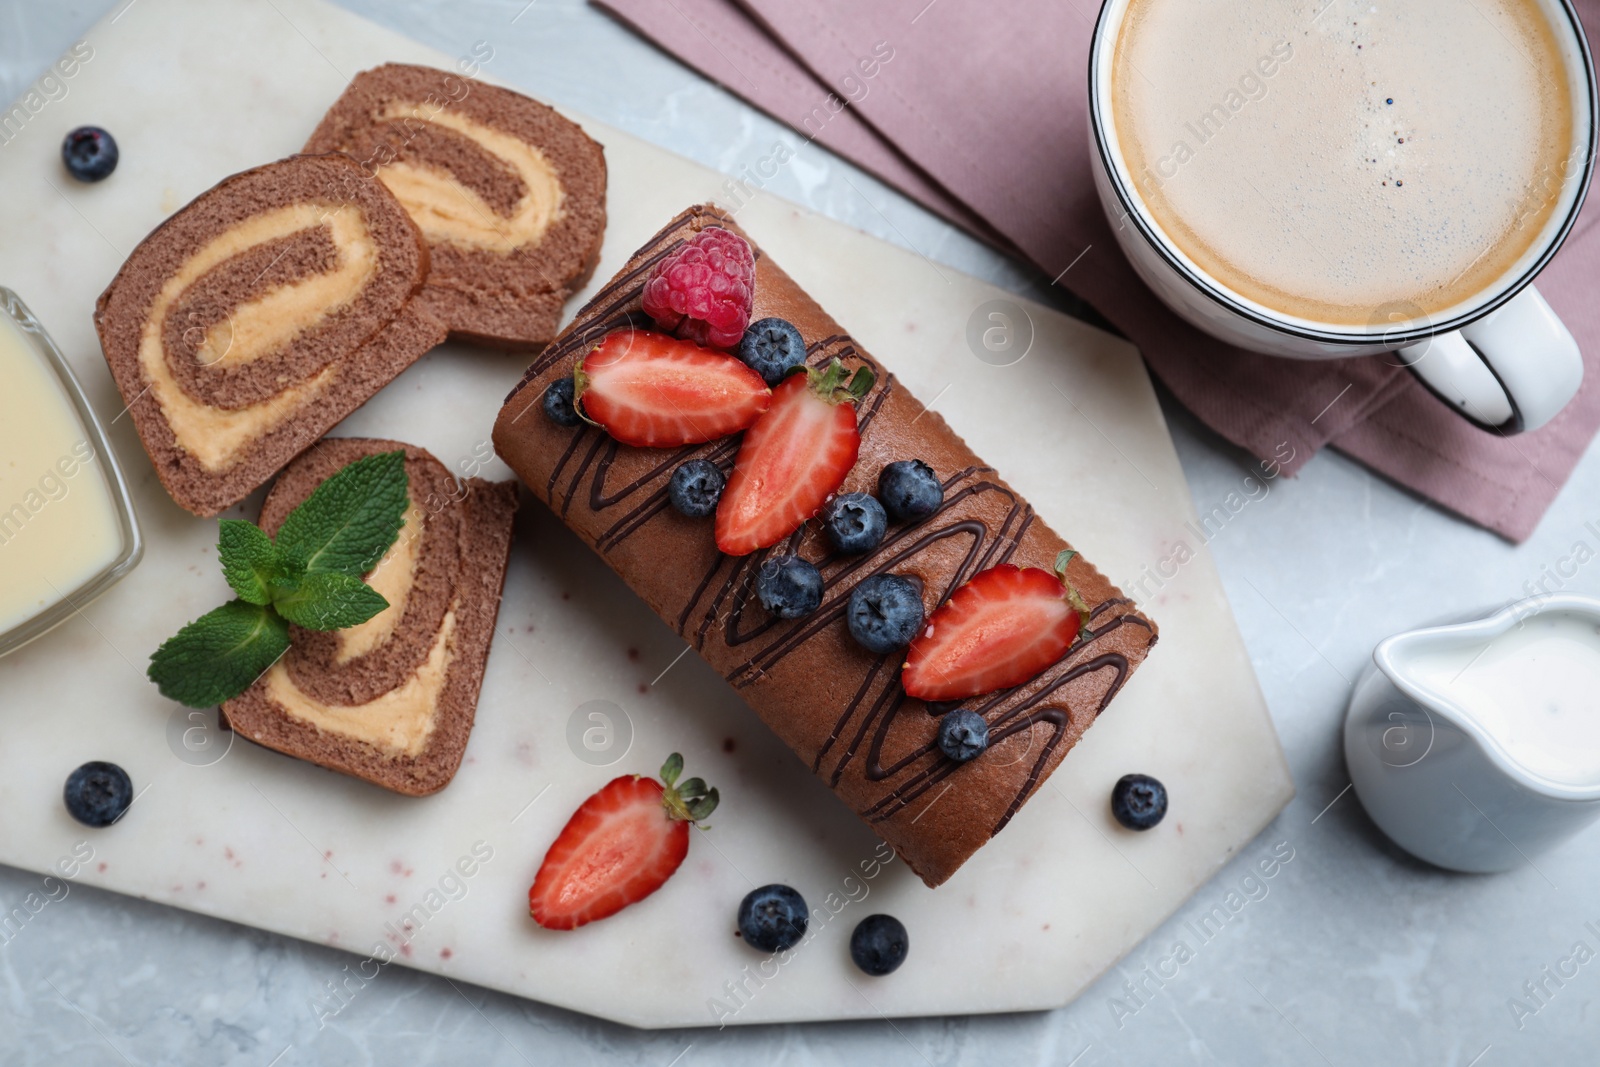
column 254, row 319
column 511, row 196
column 393, row 699
column 842, row 708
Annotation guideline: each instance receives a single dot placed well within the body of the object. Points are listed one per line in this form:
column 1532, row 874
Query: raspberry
column 702, row 291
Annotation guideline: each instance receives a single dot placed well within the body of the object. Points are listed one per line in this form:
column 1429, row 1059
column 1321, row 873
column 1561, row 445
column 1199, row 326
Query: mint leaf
column 219, row 655
column 328, row 600
column 250, row 561
column 350, row 520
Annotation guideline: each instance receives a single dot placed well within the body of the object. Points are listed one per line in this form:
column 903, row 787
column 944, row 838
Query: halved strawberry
column 620, row 846
column 793, row 458
column 1001, row 628
column 656, row 391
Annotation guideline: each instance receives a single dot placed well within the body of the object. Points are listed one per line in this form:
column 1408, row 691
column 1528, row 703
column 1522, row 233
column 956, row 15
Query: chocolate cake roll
column 511, row 196
column 249, row 323
column 840, row 707
column 391, row 700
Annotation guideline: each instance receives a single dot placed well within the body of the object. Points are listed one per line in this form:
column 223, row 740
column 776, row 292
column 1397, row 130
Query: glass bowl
column 88, row 467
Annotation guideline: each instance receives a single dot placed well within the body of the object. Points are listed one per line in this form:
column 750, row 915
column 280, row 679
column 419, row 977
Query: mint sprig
column 309, row 575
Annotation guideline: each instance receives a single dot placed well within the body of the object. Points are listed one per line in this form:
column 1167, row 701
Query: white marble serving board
column 194, row 92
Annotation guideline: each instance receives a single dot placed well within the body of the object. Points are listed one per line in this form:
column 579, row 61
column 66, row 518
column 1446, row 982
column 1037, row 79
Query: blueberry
column 771, row 347
column 963, row 735
column 910, row 490
column 789, row 587
column 879, row 944
column 773, row 918
column 695, row 488
column 885, row 612
column 855, row 522
column 1138, row 801
column 98, row 793
column 558, row 403
column 90, row 153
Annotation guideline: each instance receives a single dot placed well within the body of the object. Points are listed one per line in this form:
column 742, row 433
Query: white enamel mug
column 1501, row 358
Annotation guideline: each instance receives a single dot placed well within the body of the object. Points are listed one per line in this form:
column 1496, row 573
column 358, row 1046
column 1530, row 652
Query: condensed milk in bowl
column 67, row 526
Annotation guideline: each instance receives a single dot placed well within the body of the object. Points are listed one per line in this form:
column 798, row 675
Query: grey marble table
column 1353, row 954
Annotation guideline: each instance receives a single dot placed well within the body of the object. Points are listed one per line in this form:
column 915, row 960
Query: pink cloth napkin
column 980, row 114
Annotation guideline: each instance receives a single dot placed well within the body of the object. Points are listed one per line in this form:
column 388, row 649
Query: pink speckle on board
column 199, row 885
column 524, row 753
column 102, row 868
column 633, row 654
column 643, row 688
column 389, row 899
column 177, row 889
column 445, row 953
column 565, row 595
column 199, row 840
column 405, row 950
column 728, row 745
column 328, row 855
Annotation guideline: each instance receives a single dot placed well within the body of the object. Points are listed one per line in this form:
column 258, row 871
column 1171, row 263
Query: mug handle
column 1511, row 371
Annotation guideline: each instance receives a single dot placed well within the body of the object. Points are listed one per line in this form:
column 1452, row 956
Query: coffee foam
column 1339, row 159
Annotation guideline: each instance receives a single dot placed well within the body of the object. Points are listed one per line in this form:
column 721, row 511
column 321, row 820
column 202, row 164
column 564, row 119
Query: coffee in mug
column 1330, row 158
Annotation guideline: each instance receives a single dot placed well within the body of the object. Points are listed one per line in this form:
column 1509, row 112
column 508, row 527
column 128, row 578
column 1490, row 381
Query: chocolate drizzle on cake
column 852, row 722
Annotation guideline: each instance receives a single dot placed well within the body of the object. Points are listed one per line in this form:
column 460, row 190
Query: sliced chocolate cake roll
column 511, row 196
column 851, row 519
column 253, row 320
column 392, row 700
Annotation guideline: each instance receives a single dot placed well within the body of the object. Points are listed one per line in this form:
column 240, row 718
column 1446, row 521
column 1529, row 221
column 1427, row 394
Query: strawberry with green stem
column 621, row 845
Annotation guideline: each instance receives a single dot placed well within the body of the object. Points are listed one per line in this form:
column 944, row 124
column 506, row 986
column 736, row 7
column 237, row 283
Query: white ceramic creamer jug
column 1476, row 745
